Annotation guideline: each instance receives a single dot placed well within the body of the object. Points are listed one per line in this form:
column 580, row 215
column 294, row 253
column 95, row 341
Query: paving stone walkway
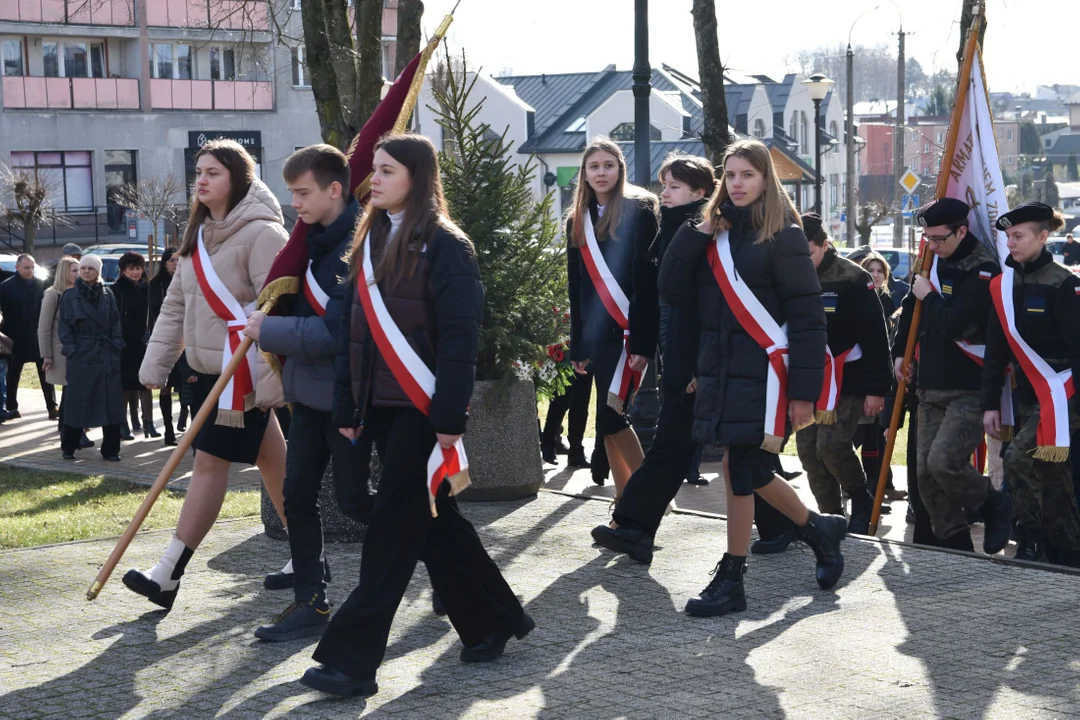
column 907, row 633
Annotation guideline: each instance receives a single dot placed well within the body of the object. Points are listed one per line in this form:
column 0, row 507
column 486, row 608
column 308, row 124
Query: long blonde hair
column 584, row 194
column 62, row 269
column 773, row 211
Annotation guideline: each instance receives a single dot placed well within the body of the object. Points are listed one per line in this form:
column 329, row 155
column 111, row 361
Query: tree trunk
column 409, row 15
column 716, row 134
column 369, row 46
column 324, row 85
column 29, row 238
column 343, row 58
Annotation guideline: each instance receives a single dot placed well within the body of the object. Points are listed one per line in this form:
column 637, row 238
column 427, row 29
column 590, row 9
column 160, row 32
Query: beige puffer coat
column 241, row 247
column 49, row 338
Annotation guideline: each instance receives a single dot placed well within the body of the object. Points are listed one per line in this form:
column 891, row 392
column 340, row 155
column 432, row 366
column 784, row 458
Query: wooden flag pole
column 923, row 268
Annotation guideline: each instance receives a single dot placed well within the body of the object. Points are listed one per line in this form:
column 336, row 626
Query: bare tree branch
column 27, row 195
column 158, row 198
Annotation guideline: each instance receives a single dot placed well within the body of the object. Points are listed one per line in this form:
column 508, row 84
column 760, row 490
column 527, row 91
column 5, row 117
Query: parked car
column 1055, row 246
column 119, row 249
column 7, row 267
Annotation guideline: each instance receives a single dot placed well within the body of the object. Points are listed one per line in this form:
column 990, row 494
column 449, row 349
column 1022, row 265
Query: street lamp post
column 849, row 140
column 818, row 86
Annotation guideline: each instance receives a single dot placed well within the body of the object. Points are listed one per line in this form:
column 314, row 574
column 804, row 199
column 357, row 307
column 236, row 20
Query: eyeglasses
column 937, row 239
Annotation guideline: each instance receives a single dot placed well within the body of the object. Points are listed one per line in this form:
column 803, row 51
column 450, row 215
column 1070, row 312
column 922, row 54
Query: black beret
column 1028, row 212
column 811, row 223
column 859, row 253
column 945, row 211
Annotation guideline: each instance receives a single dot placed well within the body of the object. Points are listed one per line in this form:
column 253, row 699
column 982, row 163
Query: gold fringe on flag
column 825, row 417
column 1051, row 453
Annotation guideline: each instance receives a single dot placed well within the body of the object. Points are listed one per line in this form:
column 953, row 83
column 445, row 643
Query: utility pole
column 898, row 143
column 642, row 75
column 849, row 145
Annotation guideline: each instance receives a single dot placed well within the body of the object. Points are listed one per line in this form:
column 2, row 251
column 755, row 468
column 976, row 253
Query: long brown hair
column 773, row 211
column 875, row 256
column 425, row 212
column 241, row 167
column 584, row 194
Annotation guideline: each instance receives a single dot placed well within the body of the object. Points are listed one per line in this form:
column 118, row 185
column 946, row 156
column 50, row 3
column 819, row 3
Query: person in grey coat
column 89, row 329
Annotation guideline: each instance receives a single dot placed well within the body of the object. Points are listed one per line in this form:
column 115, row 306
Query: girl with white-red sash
column 234, row 232
column 614, row 308
column 405, row 369
column 1035, row 325
column 746, row 268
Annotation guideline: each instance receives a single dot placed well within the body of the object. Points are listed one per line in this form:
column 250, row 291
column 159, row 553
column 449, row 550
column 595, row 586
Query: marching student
column 405, row 367
column 1036, row 306
column 687, row 180
column 614, row 311
column 746, row 269
column 233, row 234
column 956, row 306
column 318, row 178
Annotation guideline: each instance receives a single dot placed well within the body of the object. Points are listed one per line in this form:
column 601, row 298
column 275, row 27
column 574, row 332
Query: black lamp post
column 818, row 87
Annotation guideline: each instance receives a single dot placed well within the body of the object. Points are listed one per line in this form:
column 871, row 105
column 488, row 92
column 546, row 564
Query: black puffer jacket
column 133, row 303
column 732, row 367
column 680, row 345
column 627, row 256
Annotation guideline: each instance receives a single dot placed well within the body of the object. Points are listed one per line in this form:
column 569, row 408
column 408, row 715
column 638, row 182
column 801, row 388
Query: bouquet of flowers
column 553, row 372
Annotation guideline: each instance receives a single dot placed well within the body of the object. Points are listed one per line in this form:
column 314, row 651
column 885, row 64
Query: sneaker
column 637, row 544
column 824, row 533
column 332, row 682
column 298, row 620
column 494, row 646
column 284, row 578
column 724, row 594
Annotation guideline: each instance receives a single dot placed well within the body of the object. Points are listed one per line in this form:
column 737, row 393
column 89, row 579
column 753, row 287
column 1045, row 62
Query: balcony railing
column 211, row 95
column 217, row 14
column 73, row 12
column 70, row 93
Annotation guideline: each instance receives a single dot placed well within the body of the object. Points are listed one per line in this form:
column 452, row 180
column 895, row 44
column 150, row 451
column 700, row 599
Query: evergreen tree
column 1071, row 171
column 522, row 264
column 1051, row 196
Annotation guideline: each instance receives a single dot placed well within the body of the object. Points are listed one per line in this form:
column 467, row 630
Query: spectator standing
column 181, row 373
column 20, row 304
column 1071, row 251
column 89, row 329
column 5, row 354
column 131, row 293
column 52, row 350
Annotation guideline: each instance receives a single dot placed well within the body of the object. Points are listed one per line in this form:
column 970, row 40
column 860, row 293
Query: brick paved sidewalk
column 908, row 633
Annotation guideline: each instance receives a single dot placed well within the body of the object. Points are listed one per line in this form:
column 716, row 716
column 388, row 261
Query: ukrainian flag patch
column 830, row 303
column 1035, row 304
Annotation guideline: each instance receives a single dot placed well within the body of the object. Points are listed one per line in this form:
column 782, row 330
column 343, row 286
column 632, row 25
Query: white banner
column 975, row 171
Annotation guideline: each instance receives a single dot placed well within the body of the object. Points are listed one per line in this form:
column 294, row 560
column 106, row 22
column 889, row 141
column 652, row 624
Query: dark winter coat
column 958, row 312
column 309, row 342
column 20, row 304
column 158, row 288
column 732, row 368
column 90, row 331
column 627, row 256
column 1070, row 253
column 133, row 303
column 1046, row 305
column 439, row 311
column 854, row 316
column 681, row 342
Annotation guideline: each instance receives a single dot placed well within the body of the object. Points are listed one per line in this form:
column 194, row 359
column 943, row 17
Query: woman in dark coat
column 159, row 287
column 89, row 329
column 767, row 313
column 132, row 300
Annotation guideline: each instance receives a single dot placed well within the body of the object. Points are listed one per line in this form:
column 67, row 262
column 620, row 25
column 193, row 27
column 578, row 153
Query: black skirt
column 238, row 445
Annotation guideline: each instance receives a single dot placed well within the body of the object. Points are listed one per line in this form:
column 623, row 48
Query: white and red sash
column 314, row 292
column 415, row 378
column 834, row 380
column 234, row 400
column 976, row 353
column 1052, row 388
column 618, row 307
column 765, row 331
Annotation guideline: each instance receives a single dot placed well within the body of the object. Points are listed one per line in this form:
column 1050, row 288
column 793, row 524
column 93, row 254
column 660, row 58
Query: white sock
column 162, row 573
column 288, row 568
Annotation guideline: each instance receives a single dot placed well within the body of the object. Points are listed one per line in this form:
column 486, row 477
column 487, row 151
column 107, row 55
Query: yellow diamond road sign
column 910, row 181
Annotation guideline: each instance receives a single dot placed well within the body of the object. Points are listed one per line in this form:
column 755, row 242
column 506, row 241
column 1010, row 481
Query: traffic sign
column 909, row 181
column 909, row 204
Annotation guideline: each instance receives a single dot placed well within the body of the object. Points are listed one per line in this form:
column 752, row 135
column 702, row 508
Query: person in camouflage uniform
column 1045, row 308
column 955, row 310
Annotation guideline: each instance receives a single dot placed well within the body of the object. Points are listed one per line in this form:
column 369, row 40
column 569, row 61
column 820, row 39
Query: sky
column 558, row 36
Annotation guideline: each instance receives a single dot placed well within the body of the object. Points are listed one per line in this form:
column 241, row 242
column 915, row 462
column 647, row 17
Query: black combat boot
column 298, row 620
column 959, row 541
column 861, row 507
column 1031, row 546
column 724, row 593
column 774, row 545
column 635, row 542
column 823, row 533
column 998, row 512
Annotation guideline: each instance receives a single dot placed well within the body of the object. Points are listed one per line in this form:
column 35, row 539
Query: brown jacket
column 49, row 338
column 241, row 247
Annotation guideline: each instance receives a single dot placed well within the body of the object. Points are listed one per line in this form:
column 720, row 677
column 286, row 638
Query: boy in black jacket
column 687, row 182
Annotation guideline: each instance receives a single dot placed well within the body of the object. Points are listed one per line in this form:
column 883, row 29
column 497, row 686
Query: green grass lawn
column 39, row 508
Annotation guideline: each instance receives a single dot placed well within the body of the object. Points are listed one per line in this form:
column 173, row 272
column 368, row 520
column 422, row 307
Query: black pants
column 165, row 405
column 313, row 444
column 14, row 373
column 110, row 443
column 657, row 481
column 576, row 401
column 136, row 400
column 402, row 531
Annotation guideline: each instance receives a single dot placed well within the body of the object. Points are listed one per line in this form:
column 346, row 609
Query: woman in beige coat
column 233, row 234
column 52, row 350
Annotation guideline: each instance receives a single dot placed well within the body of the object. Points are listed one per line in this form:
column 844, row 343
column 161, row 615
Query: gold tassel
column 459, row 481
column 615, row 402
column 1051, row 453
column 825, row 417
column 230, row 418
column 772, row 444
column 1007, row 433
